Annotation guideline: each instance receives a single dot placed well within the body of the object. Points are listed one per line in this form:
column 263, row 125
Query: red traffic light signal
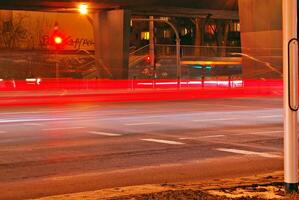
column 148, row 59
column 58, row 40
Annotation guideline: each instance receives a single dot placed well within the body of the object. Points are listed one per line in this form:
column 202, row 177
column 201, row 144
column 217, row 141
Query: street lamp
column 83, row 9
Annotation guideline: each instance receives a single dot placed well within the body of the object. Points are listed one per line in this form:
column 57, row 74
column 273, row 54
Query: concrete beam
column 187, row 12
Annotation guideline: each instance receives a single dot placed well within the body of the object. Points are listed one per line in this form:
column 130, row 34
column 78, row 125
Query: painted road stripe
column 202, row 137
column 265, row 132
column 233, row 106
column 104, row 133
column 62, row 128
column 163, row 141
column 32, row 124
column 30, row 112
column 143, row 123
column 269, row 116
column 210, row 120
column 244, row 152
column 32, row 120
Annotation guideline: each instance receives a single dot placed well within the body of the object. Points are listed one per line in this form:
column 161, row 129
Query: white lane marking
column 210, row 120
column 104, row 133
column 32, row 120
column 30, row 112
column 269, row 116
column 62, row 128
column 265, row 132
column 244, row 152
column 142, row 123
column 202, row 137
column 163, row 141
column 32, row 124
column 262, row 133
column 199, row 113
column 233, row 106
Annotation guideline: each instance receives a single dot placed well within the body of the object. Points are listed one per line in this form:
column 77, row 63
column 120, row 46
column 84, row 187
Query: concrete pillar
column 261, row 38
column 112, row 32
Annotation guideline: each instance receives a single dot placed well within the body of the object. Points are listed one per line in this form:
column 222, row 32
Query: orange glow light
column 83, row 9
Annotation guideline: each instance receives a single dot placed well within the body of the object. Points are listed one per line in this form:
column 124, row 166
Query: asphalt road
column 63, row 149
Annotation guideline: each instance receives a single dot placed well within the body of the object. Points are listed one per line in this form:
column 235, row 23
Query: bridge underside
column 119, row 4
column 260, row 26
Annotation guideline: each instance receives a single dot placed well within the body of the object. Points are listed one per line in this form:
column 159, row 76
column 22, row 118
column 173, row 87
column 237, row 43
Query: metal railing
column 197, row 51
column 265, row 62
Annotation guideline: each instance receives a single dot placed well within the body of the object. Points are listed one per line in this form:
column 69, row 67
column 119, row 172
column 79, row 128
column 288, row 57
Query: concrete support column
column 112, row 32
column 261, row 38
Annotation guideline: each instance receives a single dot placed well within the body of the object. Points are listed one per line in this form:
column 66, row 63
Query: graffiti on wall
column 71, row 42
column 23, row 30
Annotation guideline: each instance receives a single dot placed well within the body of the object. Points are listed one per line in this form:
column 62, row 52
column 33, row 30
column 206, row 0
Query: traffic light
column 58, row 39
column 148, row 59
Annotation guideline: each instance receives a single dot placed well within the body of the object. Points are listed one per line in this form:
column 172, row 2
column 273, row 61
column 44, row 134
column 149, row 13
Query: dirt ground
column 259, row 187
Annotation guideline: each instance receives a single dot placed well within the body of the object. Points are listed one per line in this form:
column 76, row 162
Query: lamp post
column 83, row 9
column 290, row 71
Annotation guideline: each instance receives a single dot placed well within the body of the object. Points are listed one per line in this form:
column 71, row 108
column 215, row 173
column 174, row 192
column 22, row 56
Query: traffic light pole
column 290, row 69
column 57, row 68
column 178, row 44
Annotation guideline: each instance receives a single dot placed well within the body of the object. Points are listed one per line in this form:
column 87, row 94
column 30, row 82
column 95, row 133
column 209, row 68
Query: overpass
column 258, row 37
column 70, row 5
column 261, row 33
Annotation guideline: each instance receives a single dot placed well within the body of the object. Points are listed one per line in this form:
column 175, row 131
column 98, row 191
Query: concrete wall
column 261, row 38
column 106, row 32
column 112, row 30
column 37, row 27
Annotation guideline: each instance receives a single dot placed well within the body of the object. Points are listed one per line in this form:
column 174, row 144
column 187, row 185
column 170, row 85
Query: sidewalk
column 266, row 186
